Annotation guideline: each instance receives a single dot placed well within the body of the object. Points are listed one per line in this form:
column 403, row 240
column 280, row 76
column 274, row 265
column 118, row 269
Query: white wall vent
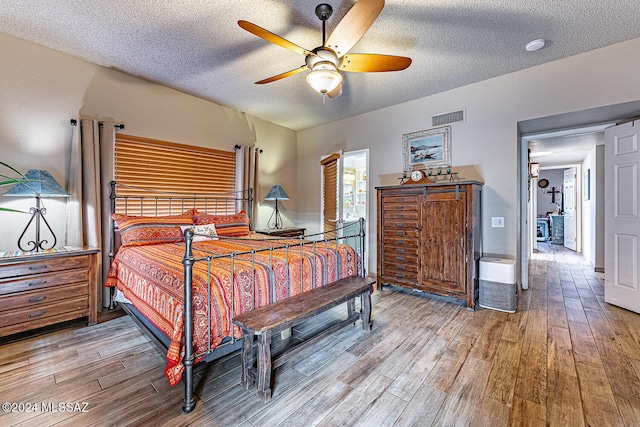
column 448, row 118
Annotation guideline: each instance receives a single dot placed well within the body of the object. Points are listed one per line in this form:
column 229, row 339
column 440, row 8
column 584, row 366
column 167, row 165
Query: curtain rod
column 259, row 150
column 74, row 122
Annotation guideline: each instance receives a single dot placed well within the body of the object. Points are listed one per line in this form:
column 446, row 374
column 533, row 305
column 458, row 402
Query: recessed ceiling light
column 535, row 45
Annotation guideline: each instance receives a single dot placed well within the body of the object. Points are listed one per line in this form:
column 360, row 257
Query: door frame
column 602, row 115
column 340, row 195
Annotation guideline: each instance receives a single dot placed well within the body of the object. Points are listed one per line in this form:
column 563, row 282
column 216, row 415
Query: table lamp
column 39, row 184
column 276, row 193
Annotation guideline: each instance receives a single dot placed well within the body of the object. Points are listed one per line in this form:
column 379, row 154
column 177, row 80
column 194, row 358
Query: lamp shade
column 324, row 78
column 40, row 184
column 277, row 193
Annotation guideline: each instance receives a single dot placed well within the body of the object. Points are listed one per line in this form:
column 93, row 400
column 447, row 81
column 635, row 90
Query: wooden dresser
column 429, row 238
column 38, row 290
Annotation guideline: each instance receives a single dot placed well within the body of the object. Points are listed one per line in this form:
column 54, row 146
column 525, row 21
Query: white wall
column 556, row 180
column 487, row 140
column 42, row 89
column 593, row 209
column 589, row 209
column 598, row 180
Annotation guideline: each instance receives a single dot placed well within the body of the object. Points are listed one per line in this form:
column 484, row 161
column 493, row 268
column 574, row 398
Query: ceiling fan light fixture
column 324, row 77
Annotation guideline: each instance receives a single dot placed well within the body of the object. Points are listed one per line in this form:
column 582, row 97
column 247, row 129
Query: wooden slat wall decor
column 171, row 168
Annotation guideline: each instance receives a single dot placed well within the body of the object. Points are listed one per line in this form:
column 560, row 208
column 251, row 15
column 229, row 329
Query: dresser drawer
column 393, row 256
column 400, row 214
column 402, row 233
column 43, row 266
column 42, row 311
column 401, row 275
column 393, row 242
column 43, row 296
column 40, row 281
column 389, row 226
column 402, row 200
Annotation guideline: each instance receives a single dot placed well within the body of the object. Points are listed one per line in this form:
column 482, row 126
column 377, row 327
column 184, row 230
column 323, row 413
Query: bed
column 185, row 291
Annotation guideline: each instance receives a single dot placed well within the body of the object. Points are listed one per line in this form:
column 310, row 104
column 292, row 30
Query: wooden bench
column 274, row 318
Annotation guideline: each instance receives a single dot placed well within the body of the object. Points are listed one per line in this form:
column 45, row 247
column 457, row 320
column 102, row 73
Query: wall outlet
column 497, row 221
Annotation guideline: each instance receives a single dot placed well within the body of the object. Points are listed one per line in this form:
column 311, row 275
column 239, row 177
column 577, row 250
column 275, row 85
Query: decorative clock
column 418, row 177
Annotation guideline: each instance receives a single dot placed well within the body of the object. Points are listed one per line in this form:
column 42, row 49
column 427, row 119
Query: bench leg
column 248, row 359
column 264, row 366
column 366, row 310
column 351, row 307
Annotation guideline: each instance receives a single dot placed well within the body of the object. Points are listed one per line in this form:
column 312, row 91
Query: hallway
column 593, row 348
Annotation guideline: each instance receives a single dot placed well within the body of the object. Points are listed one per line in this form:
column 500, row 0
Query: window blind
column 172, row 172
column 330, row 192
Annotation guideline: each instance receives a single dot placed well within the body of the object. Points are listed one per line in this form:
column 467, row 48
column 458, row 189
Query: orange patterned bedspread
column 152, row 277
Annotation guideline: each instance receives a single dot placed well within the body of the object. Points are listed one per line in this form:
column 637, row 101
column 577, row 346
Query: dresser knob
column 38, row 298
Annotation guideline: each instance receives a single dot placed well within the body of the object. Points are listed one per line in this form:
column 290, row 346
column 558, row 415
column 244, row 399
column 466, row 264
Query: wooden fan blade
column 354, row 24
column 283, row 75
column 273, row 38
column 371, row 63
column 336, row 92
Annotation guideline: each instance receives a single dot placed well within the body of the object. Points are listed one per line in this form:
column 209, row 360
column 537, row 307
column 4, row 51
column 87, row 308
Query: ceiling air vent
column 448, row 118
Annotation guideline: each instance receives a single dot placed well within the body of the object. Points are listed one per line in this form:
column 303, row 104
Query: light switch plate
column 497, row 221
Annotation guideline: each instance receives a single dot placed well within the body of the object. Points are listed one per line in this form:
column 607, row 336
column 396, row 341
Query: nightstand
column 42, row 289
column 283, row 232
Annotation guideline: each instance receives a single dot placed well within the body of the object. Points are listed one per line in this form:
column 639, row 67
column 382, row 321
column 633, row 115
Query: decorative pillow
column 226, row 225
column 201, row 232
column 148, row 230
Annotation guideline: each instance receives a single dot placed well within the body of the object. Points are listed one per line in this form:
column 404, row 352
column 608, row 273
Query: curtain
column 247, row 162
column 88, row 207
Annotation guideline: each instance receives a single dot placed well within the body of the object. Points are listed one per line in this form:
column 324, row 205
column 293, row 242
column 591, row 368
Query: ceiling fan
column 327, row 60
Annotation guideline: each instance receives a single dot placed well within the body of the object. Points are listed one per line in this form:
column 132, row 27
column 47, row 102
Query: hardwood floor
column 564, row 358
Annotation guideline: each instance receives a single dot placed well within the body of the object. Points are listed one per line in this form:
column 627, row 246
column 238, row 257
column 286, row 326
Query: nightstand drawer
column 43, row 296
column 39, row 281
column 41, row 311
column 45, row 266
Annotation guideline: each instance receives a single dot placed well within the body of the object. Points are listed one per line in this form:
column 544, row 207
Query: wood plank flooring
column 565, row 358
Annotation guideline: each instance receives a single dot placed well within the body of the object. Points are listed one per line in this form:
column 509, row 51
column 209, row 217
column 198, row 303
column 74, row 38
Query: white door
column 569, row 201
column 622, row 226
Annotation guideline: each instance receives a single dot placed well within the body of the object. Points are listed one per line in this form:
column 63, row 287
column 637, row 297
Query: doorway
column 345, row 193
column 558, row 210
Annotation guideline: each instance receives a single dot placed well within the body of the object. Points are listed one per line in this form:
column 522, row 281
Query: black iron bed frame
column 151, row 200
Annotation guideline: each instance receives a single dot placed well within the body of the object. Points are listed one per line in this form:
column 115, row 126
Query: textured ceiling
column 196, row 46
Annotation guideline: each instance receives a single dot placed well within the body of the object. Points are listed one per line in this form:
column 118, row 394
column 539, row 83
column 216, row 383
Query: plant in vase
column 8, row 180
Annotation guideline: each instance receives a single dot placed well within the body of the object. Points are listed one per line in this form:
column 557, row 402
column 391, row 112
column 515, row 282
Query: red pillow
column 236, row 225
column 147, row 230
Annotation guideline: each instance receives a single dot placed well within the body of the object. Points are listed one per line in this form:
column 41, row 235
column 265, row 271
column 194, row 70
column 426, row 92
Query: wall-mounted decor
column 534, row 170
column 427, row 149
column 586, row 184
